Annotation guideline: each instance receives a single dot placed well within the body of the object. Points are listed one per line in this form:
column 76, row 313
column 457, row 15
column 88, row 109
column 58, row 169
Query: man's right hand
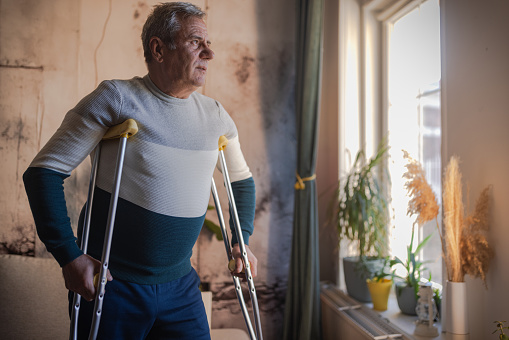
column 79, row 276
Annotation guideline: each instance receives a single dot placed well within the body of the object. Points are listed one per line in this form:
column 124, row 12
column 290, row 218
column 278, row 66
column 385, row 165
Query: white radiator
column 343, row 318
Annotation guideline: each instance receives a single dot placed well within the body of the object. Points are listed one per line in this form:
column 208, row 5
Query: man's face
column 187, row 64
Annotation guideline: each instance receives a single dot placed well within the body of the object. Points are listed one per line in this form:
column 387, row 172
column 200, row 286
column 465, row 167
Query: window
column 386, row 84
column 414, row 121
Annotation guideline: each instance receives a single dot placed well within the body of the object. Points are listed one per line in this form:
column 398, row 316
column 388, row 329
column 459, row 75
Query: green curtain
column 302, row 308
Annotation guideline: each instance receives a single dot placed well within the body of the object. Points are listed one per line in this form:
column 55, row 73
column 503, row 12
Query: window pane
column 414, row 121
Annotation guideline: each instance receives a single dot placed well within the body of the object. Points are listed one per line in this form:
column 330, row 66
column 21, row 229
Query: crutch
column 238, row 232
column 122, row 131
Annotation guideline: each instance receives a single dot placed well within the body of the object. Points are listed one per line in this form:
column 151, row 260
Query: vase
column 456, row 308
column 379, row 293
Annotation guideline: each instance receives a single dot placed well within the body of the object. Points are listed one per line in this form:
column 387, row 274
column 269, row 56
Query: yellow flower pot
column 379, row 293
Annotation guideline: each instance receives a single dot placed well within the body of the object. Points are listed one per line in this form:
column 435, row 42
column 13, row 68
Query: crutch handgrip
column 223, row 141
column 231, row 266
column 126, row 129
column 96, row 280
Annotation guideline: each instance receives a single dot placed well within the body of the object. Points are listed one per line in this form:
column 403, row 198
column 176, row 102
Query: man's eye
column 195, row 42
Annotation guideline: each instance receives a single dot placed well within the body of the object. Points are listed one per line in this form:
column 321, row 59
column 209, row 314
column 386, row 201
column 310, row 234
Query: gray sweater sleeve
column 79, row 133
column 81, row 130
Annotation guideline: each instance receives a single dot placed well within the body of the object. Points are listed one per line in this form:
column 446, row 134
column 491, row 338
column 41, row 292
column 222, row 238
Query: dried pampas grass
column 468, row 251
column 476, row 253
column 453, row 219
column 423, row 202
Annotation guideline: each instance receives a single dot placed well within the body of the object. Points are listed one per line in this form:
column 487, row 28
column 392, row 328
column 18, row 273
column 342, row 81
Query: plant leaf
column 214, row 228
column 423, row 243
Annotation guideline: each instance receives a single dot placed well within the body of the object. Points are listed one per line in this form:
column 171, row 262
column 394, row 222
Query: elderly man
column 153, row 293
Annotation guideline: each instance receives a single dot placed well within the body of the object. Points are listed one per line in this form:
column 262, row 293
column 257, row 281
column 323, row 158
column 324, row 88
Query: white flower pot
column 456, row 308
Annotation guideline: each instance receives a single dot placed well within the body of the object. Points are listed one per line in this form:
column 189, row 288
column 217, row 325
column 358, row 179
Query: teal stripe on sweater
column 245, row 201
column 147, row 247
column 45, row 191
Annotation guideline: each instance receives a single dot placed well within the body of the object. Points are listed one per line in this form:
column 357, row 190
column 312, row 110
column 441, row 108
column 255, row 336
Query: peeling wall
column 53, row 52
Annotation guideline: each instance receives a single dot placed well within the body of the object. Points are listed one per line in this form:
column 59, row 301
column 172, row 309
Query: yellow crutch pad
column 126, row 129
column 223, row 141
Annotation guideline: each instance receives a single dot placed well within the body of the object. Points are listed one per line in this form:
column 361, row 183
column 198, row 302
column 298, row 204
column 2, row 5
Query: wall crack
column 29, row 67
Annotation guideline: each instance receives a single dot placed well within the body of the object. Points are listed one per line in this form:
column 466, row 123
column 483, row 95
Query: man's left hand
column 237, row 255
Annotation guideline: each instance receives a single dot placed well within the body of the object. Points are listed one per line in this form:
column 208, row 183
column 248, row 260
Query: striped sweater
column 165, row 185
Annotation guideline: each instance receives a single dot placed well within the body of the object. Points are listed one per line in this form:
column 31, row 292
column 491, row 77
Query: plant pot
column 379, row 293
column 355, row 277
column 456, row 308
column 405, row 295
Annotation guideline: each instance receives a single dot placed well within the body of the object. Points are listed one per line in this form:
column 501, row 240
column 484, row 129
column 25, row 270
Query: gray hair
column 164, row 22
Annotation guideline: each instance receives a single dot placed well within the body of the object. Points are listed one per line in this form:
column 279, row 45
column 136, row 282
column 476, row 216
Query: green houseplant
column 362, row 216
column 500, row 328
column 406, row 290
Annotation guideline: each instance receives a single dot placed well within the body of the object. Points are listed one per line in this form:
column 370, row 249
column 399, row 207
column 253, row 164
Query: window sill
column 407, row 322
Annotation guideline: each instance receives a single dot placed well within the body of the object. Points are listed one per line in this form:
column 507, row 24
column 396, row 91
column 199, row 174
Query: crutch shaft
column 123, row 131
column 73, row 334
column 238, row 232
column 107, row 240
column 236, row 281
column 219, row 211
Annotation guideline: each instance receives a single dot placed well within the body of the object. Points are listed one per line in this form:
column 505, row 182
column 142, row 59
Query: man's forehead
column 194, row 26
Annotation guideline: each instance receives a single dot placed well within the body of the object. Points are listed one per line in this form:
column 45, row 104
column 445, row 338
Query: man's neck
column 169, row 87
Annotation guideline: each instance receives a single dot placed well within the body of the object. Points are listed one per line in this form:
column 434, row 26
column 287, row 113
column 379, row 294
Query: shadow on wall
column 270, row 71
column 276, row 71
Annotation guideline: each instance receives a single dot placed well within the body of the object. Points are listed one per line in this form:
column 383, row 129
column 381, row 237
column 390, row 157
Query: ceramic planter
column 379, row 293
column 457, row 312
column 355, row 279
column 405, row 295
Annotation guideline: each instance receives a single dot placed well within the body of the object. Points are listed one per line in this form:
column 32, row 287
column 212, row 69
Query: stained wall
column 53, row 52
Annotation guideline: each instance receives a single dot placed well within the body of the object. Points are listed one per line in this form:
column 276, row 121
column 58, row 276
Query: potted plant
column 422, row 203
column 380, row 285
column 467, row 250
column 408, row 287
column 362, row 216
column 500, row 328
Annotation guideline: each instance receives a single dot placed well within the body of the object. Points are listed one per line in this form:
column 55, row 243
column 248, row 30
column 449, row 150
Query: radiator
column 343, row 318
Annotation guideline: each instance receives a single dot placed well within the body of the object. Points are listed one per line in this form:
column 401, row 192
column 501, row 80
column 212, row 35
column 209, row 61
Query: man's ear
column 156, row 48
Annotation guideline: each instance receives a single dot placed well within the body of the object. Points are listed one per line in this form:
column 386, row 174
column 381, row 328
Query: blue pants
column 172, row 310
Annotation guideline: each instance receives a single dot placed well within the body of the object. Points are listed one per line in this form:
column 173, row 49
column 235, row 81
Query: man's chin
column 199, row 82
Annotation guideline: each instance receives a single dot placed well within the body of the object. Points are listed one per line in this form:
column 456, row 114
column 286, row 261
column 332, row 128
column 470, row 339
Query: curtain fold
column 302, row 307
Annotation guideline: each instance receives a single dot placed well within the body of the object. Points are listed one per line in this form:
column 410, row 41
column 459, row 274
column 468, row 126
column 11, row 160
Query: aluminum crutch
column 122, row 131
column 238, row 232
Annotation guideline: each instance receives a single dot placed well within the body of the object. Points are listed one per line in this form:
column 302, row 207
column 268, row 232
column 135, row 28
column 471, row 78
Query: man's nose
column 207, row 53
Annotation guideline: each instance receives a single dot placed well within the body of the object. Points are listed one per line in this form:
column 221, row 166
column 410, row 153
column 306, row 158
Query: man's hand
column 79, row 276
column 237, row 255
